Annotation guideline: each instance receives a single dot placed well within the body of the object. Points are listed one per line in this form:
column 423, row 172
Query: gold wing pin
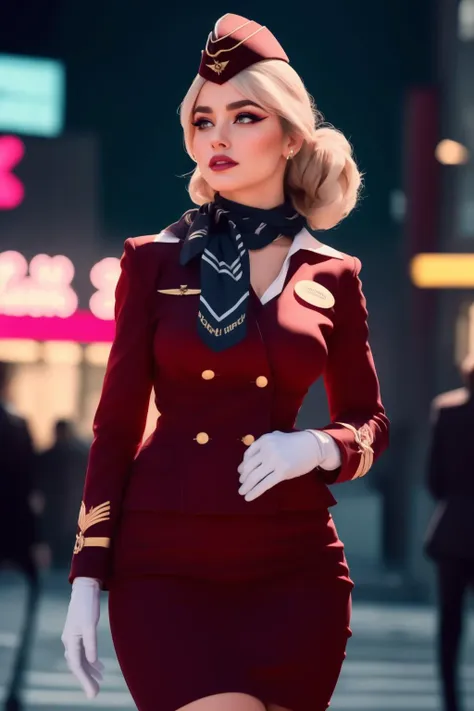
column 183, row 290
column 218, row 67
column 364, row 438
column 96, row 515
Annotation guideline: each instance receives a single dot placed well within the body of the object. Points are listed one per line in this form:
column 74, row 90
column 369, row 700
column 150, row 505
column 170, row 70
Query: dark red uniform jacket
column 212, row 404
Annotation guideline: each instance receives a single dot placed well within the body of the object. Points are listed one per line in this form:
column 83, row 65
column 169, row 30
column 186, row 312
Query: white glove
column 277, row 456
column 80, row 634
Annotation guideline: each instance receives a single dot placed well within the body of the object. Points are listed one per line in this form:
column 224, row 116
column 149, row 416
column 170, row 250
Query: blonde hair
column 322, row 180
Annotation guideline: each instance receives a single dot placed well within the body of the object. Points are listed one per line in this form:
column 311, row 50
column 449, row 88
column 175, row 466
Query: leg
column 20, row 664
column 452, row 581
column 225, row 702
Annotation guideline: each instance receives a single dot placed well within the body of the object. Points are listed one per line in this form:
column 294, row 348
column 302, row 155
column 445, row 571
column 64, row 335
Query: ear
column 293, row 144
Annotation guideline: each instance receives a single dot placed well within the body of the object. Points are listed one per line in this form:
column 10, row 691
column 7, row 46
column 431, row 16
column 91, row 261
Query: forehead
column 218, row 95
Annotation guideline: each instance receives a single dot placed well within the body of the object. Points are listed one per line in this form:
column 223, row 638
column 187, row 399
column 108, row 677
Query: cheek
column 266, row 145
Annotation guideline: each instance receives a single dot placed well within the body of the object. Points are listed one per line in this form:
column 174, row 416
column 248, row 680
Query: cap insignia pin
column 218, row 67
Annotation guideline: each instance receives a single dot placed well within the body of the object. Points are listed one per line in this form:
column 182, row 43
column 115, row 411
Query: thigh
column 225, row 702
column 298, row 645
column 173, row 642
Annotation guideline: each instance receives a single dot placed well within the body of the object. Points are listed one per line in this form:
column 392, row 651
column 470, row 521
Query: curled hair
column 322, row 180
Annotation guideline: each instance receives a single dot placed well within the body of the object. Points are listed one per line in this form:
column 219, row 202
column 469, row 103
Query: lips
column 221, row 163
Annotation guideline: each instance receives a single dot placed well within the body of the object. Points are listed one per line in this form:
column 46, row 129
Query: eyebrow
column 229, row 107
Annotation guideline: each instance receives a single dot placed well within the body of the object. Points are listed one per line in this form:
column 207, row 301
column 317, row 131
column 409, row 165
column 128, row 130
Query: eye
column 200, row 123
column 247, row 117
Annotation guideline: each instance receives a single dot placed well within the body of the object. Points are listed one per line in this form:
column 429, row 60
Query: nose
column 219, row 139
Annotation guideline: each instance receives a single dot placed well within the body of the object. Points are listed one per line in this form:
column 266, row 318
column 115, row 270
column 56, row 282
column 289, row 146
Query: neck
column 250, row 198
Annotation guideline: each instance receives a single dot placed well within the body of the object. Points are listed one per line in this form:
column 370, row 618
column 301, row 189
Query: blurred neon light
column 12, row 191
column 33, row 95
column 37, row 301
column 443, row 271
column 46, row 291
column 104, row 276
column 81, row 327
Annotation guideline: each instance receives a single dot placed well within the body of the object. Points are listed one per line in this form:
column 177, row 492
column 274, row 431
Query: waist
column 228, row 547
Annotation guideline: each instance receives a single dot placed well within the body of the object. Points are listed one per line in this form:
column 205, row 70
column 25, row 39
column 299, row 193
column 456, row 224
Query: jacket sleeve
column 358, row 424
column 119, row 421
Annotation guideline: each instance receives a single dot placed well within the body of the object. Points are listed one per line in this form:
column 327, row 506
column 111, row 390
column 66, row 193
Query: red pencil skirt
column 203, row 605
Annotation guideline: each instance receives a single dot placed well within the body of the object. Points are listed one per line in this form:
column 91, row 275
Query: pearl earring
column 290, row 154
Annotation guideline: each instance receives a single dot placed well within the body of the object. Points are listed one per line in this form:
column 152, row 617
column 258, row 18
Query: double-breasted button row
column 260, row 382
column 203, row 438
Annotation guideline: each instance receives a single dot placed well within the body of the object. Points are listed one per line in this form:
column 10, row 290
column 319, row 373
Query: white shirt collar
column 303, row 240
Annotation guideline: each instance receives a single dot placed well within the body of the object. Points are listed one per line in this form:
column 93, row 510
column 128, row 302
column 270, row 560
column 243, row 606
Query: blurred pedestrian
column 60, row 478
column 450, row 537
column 20, row 543
column 228, row 584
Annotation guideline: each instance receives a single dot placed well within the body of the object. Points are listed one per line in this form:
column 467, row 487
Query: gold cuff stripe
column 82, row 542
column 101, row 542
column 97, row 514
column 365, row 450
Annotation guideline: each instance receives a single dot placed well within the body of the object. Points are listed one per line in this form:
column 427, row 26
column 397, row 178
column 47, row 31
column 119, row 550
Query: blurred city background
column 91, row 153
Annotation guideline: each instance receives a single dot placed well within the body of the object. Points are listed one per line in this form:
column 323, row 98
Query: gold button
column 261, row 381
column 207, row 374
column 202, row 438
column 248, row 440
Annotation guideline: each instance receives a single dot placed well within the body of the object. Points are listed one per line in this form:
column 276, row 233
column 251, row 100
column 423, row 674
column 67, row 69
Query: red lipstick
column 221, row 162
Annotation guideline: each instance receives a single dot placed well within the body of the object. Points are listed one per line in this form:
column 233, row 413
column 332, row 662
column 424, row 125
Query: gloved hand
column 80, row 634
column 277, row 456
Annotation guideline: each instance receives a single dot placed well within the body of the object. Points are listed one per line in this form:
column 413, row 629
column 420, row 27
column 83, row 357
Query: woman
column 228, row 585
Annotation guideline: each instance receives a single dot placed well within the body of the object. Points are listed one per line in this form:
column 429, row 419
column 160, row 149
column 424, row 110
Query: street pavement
column 390, row 661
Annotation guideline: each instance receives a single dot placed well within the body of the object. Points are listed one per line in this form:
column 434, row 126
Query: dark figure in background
column 20, row 546
column 450, row 538
column 60, row 473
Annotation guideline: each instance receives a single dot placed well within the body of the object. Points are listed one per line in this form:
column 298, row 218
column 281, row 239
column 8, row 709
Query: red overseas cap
column 234, row 44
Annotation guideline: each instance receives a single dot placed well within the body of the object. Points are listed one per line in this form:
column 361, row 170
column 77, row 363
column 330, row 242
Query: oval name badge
column 315, row 294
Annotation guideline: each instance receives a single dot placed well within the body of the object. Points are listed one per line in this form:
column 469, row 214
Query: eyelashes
column 253, row 118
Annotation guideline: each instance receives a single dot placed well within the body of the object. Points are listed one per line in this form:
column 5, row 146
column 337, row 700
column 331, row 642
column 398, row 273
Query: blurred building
column 56, row 284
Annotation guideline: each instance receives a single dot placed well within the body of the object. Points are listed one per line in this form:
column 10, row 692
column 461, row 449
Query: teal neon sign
column 32, row 95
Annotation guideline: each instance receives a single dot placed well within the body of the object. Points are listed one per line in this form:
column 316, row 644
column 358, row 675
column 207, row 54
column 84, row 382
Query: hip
column 229, row 547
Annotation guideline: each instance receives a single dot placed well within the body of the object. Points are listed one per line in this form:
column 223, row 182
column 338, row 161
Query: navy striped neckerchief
column 221, row 234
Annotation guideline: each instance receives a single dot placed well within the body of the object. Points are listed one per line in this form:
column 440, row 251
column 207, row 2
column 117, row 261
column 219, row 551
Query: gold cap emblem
column 218, row 67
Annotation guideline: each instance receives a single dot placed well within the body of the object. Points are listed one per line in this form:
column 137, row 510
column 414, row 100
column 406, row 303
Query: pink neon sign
column 12, row 191
column 37, row 300
column 46, row 291
column 104, row 276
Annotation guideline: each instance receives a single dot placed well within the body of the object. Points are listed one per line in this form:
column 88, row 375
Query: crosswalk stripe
column 67, row 699
column 397, row 702
column 398, row 669
column 65, row 680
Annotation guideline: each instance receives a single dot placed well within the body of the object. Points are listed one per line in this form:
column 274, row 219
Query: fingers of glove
column 253, row 449
column 263, row 486
column 89, row 638
column 255, row 477
column 247, row 466
column 84, row 677
column 93, row 671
